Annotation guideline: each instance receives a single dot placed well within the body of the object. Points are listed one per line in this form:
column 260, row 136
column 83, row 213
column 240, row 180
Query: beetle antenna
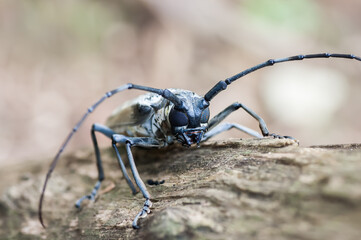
column 178, row 104
column 222, row 85
column 164, row 93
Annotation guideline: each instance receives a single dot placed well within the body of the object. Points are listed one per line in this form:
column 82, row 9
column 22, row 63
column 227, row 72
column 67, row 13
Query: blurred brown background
column 58, row 57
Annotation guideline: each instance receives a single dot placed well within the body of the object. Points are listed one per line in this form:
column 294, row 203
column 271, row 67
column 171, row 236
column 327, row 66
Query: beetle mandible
column 160, row 118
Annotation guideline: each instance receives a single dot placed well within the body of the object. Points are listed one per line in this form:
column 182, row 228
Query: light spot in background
column 305, row 97
column 295, row 15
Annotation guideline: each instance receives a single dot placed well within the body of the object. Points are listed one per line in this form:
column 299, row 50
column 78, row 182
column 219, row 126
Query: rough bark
column 238, row 189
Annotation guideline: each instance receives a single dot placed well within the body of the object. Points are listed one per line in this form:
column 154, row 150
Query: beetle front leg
column 214, row 129
column 147, row 204
column 227, row 126
column 144, row 142
column 262, row 124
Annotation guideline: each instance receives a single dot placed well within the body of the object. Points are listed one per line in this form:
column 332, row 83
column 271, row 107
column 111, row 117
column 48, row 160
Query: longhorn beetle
column 161, row 117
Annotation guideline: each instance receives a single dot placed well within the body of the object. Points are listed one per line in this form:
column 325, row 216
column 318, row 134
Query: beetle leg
column 124, row 170
column 227, row 126
column 233, row 107
column 91, row 196
column 147, row 204
column 281, row 137
column 109, row 133
column 136, row 141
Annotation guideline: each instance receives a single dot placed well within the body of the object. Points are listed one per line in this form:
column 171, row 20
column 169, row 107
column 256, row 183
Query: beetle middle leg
column 109, row 133
column 214, row 128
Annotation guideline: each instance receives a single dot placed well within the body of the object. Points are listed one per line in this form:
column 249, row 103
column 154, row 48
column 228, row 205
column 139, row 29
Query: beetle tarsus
column 143, row 213
column 91, row 196
column 281, row 137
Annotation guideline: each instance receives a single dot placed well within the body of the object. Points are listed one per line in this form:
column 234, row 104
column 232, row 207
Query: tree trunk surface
column 235, row 189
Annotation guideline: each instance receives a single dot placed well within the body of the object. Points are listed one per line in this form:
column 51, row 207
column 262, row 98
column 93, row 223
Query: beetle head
column 190, row 122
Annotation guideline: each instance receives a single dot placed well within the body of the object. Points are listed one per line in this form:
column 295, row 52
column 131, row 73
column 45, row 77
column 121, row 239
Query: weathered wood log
column 236, row 189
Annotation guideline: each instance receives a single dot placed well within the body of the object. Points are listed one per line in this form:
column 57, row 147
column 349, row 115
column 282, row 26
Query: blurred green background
column 58, row 57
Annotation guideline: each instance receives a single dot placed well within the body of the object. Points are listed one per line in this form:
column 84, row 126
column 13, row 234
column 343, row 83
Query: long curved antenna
column 222, row 85
column 164, row 93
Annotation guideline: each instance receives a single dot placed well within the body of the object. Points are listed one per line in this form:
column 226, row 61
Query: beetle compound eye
column 205, row 116
column 178, row 118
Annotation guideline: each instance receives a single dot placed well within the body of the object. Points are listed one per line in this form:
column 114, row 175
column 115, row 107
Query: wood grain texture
column 236, row 189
